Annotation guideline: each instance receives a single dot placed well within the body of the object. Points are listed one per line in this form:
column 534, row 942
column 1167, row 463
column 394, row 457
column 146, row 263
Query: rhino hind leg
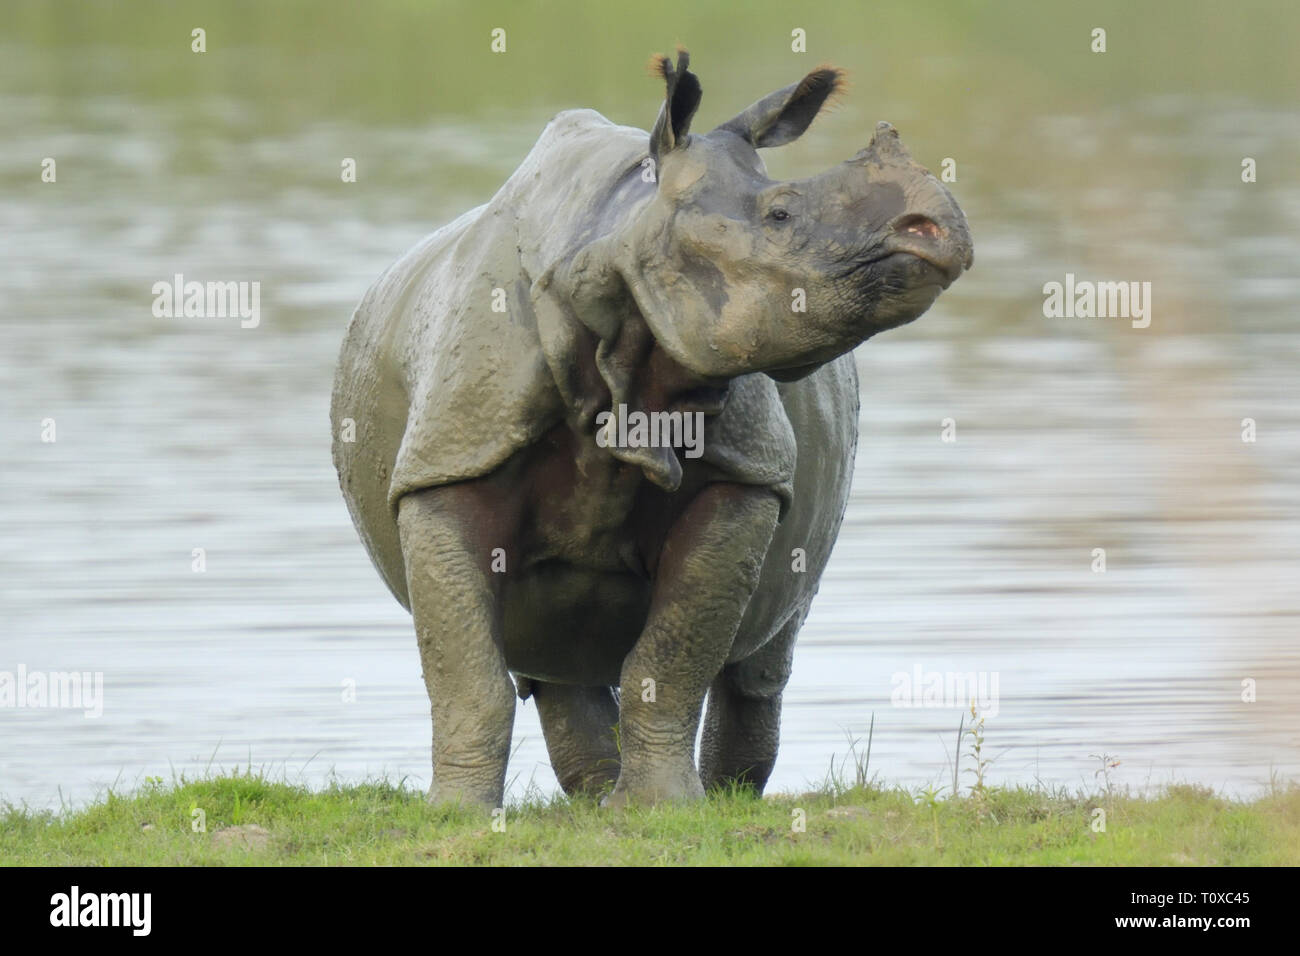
column 742, row 727
column 578, row 724
column 457, row 623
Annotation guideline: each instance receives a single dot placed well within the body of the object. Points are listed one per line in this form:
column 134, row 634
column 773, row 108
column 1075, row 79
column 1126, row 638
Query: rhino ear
column 782, row 117
column 681, row 100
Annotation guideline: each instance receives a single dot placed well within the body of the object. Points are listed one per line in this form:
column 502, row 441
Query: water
column 968, row 556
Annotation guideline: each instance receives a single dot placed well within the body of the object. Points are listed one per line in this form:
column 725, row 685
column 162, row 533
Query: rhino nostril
column 919, row 226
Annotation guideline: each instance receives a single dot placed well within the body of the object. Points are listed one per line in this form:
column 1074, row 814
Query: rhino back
column 441, row 368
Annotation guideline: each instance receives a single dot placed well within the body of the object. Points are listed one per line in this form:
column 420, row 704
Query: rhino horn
column 885, row 146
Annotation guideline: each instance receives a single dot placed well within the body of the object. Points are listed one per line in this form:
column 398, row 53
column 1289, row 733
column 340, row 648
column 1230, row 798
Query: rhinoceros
column 597, row 434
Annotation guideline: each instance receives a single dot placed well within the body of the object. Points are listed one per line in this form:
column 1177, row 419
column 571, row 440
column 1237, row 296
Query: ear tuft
column 826, row 83
column 659, row 66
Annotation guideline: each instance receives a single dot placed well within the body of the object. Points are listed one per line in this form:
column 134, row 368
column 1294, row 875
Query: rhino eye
column 779, row 214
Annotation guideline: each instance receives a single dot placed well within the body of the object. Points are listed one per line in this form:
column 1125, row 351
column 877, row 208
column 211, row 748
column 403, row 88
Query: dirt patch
column 248, row 836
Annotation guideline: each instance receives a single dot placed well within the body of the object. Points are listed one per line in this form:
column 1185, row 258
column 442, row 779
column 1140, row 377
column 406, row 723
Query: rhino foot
column 669, row 782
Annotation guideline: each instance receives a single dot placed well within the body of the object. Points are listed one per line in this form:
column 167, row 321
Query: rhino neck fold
column 605, row 357
column 713, row 331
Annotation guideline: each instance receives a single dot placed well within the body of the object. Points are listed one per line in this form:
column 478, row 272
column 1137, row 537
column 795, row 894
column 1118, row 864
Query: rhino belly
column 572, row 625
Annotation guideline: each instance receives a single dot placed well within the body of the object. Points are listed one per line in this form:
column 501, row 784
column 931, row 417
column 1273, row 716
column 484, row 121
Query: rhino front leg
column 742, row 729
column 578, row 723
column 457, row 621
column 708, row 569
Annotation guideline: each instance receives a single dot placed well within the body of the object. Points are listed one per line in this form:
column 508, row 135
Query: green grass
column 381, row 823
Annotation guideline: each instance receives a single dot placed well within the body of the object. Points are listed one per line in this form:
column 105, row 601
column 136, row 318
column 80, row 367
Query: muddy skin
column 624, row 585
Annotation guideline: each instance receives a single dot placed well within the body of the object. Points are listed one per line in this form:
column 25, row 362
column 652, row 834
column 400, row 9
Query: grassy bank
column 250, row 820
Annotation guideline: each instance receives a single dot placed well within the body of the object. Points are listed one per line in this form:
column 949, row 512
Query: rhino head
column 735, row 272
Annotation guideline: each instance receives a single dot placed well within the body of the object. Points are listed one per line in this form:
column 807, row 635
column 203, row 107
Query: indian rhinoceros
column 598, row 433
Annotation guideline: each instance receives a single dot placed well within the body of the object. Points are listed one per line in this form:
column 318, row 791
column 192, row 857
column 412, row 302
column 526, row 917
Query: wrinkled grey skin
column 522, row 547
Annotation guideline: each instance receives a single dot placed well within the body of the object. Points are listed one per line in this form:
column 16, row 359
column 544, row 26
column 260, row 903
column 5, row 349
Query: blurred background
column 973, row 555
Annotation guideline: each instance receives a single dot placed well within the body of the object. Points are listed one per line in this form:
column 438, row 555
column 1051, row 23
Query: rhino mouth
column 916, row 267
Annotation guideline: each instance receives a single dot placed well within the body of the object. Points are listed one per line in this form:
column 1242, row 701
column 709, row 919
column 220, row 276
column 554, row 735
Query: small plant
column 930, row 798
column 862, row 765
column 1108, row 763
column 836, row 780
column 976, row 734
column 956, row 755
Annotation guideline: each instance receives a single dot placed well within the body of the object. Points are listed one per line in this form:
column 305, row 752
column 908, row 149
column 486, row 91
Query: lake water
column 973, row 555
